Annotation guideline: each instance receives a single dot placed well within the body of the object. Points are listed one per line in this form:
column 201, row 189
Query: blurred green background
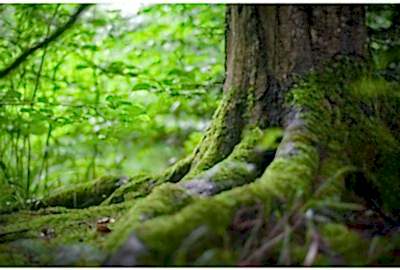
column 119, row 93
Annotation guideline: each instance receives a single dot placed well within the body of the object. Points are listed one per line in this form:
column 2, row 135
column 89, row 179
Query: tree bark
column 268, row 46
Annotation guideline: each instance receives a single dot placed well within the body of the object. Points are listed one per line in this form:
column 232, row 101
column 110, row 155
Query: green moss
column 328, row 134
column 245, row 163
column 165, row 199
column 162, row 236
column 54, row 229
column 355, row 115
column 315, row 127
column 137, row 186
column 169, row 198
column 347, row 244
column 367, row 87
column 141, row 185
column 85, row 194
column 216, row 213
column 224, row 133
column 271, row 138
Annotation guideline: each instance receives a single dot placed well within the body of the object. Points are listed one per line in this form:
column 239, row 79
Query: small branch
column 20, row 59
column 46, row 151
column 43, row 57
column 313, row 249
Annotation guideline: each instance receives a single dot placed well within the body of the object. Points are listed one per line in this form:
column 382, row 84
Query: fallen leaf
column 101, row 227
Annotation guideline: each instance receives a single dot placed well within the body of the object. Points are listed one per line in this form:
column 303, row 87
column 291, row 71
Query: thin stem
column 46, row 152
column 28, row 167
column 23, row 56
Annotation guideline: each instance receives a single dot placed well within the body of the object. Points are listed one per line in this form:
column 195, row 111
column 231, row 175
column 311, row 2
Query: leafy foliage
column 383, row 23
column 115, row 94
column 118, row 93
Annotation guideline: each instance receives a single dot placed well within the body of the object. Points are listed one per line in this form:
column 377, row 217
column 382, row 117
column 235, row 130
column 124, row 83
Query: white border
column 208, row 1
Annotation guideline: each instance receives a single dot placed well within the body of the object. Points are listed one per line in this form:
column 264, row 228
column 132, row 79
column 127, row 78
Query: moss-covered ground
column 328, row 195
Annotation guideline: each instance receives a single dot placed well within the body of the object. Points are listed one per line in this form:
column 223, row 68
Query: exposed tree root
column 108, row 189
column 296, row 157
column 301, row 198
column 141, row 185
column 318, row 141
column 243, row 165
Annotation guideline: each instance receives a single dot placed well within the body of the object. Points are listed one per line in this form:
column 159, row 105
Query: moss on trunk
column 327, row 138
column 336, row 164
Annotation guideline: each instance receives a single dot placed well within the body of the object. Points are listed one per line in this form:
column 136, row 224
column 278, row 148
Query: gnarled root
column 335, row 170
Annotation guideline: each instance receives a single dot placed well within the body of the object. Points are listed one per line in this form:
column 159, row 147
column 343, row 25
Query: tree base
column 334, row 174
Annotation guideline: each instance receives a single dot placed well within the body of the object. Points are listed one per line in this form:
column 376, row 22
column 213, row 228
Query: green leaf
column 91, row 47
column 12, row 95
column 142, row 86
column 38, row 128
column 110, row 98
column 42, row 99
column 81, row 66
column 143, row 118
column 26, row 110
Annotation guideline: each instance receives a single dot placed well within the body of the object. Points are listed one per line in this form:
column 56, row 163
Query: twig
column 24, row 55
column 284, row 257
column 46, row 150
column 275, row 236
column 42, row 59
column 265, row 247
column 253, row 234
column 313, row 250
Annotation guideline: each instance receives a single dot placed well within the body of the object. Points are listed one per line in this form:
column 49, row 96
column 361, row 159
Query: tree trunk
column 235, row 200
column 269, row 45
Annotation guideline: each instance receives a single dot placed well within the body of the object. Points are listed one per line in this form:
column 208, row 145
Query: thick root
column 308, row 198
column 319, row 149
column 85, row 194
column 243, row 165
column 289, row 176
